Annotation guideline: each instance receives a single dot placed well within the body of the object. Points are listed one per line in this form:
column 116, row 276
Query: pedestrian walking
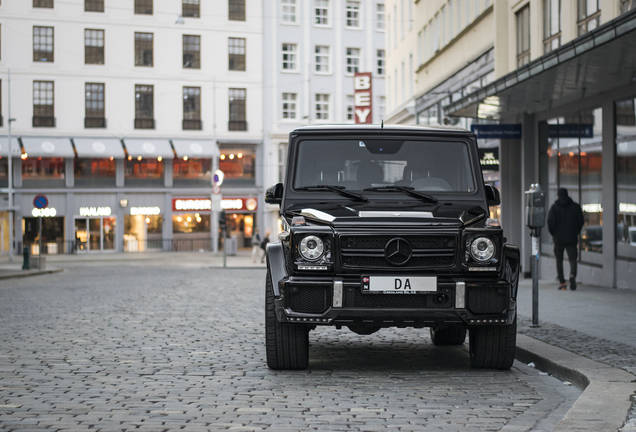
column 256, row 246
column 264, row 245
column 565, row 221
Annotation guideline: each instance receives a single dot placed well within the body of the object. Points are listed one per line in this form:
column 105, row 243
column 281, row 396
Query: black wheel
column 448, row 335
column 287, row 345
column 493, row 347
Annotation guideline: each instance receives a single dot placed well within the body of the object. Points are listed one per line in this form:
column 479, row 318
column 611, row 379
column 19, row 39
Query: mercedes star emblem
column 398, row 251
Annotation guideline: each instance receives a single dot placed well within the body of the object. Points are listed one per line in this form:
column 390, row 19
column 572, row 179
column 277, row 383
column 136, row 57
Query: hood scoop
column 393, row 214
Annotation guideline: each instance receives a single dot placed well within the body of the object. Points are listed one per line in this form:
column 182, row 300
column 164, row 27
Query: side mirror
column 492, row 196
column 274, row 194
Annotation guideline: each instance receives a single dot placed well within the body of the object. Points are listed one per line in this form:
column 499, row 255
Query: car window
column 361, row 164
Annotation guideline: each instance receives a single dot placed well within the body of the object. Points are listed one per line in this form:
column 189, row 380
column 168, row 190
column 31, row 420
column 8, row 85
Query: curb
column 607, row 391
column 27, row 273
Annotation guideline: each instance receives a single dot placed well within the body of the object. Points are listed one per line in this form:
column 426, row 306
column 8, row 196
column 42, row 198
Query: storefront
column 95, row 223
column 52, row 218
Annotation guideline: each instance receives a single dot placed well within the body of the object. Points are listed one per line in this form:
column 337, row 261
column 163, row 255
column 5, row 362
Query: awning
column 195, row 148
column 48, row 147
column 4, row 146
column 598, row 61
column 99, row 148
column 149, row 148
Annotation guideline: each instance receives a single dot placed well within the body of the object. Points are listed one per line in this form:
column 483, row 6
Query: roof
column 379, row 128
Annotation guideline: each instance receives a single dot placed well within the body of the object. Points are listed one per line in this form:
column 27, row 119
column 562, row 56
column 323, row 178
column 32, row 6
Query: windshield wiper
column 408, row 190
column 338, row 189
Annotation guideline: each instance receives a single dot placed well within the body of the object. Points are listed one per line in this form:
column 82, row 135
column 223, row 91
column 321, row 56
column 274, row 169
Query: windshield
column 362, row 164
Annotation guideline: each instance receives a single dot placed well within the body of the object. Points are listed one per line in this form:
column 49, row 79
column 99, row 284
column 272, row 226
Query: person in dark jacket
column 565, row 221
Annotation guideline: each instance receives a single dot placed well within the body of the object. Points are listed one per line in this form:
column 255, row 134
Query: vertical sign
column 363, row 97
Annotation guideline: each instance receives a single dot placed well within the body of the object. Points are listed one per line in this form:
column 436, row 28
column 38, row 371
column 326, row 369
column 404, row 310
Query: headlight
column 482, row 249
column 311, row 248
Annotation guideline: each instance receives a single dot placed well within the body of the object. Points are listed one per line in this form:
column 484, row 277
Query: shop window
column 48, row 172
column 95, row 234
column 187, row 223
column 52, row 235
column 142, row 233
column 237, row 163
column 94, row 172
column 626, row 178
column 144, row 172
column 192, row 172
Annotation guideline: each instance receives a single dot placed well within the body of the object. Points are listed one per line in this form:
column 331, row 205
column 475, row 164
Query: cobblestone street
column 164, row 346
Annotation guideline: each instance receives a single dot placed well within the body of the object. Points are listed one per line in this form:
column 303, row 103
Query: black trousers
column 572, row 256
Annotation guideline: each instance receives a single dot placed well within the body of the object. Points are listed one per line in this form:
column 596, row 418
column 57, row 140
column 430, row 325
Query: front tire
column 493, row 347
column 449, row 335
column 286, row 345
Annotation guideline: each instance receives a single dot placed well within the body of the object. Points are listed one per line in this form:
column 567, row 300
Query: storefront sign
column 489, row 159
column 592, row 208
column 45, row 212
column 627, row 208
column 363, row 97
column 205, row 204
column 95, row 211
column 497, row 131
column 145, row 211
column 571, row 130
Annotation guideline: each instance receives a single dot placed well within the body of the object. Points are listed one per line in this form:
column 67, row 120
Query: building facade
column 124, row 110
column 562, row 72
column 312, row 50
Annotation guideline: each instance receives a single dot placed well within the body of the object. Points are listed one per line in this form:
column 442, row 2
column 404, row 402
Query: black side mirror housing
column 492, row 196
column 274, row 194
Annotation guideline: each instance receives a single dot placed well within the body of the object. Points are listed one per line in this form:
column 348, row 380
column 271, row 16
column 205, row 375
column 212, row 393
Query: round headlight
column 482, row 249
column 311, row 248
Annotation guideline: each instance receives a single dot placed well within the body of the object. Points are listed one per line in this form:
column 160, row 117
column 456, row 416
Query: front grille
column 310, row 299
column 428, row 251
column 355, row 298
column 487, row 300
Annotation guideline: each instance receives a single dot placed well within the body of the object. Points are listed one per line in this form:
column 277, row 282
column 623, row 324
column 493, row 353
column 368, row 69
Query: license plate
column 399, row 284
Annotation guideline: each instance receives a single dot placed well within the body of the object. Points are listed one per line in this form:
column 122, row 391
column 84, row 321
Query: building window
column 627, row 5
column 143, row 7
column 322, row 59
column 43, row 168
column 589, row 15
column 192, row 108
column 94, row 5
column 94, row 172
column 626, row 177
column 353, row 60
column 43, row 100
column 322, row 12
column 143, row 172
column 523, row 36
column 353, row 14
column 43, row 4
column 282, row 162
column 144, row 107
column 551, row 25
column 238, row 119
column 143, row 49
column 237, row 163
column 236, row 10
column 190, row 9
column 381, row 59
column 350, row 108
column 289, row 11
column 191, row 52
column 236, row 54
column 93, row 46
column 94, row 106
column 42, row 44
column 380, row 23
column 289, row 57
column 322, row 106
column 289, row 105
column 192, row 172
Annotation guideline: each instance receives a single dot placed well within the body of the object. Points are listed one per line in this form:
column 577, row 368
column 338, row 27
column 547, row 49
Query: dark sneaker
column 572, row 283
column 563, row 286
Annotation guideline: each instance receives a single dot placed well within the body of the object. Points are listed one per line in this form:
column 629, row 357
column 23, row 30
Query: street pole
column 40, row 243
column 10, row 174
column 535, row 234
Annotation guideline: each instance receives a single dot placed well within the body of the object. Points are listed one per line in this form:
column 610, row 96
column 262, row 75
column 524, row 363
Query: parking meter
column 535, row 207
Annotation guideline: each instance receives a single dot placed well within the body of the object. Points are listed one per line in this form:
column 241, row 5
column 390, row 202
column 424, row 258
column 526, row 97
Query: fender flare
column 276, row 265
column 511, row 267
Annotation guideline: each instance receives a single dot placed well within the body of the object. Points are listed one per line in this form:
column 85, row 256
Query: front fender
column 511, row 267
column 276, row 264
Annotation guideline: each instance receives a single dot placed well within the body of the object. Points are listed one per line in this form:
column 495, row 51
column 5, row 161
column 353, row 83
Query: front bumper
column 340, row 301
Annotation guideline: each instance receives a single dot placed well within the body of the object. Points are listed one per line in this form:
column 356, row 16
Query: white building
column 119, row 106
column 312, row 49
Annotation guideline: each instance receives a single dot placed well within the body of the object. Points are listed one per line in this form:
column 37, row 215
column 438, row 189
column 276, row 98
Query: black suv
column 388, row 226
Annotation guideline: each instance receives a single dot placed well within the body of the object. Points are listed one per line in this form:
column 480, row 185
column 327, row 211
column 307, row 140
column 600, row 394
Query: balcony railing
column 41, row 121
column 192, row 125
column 94, row 122
column 144, row 123
column 237, row 125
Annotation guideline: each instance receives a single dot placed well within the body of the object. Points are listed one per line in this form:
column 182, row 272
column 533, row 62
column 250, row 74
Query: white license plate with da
column 399, row 284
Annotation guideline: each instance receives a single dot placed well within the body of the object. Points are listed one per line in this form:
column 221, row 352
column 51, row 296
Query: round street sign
column 216, row 189
column 40, row 202
column 218, row 177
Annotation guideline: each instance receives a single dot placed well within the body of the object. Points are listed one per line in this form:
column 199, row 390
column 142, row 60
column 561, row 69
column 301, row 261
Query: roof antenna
column 382, row 123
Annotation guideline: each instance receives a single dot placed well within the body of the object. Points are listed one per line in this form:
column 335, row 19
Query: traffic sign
column 216, row 189
column 40, row 202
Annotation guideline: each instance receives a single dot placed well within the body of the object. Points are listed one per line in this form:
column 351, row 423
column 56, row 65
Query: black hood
column 563, row 201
